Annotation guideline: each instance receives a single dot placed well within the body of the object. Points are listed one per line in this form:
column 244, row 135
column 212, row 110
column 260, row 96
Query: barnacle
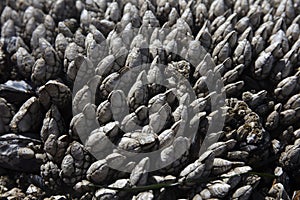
column 125, row 94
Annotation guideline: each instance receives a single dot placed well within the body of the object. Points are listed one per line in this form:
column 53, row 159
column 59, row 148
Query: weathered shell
column 107, row 66
column 217, row 8
column 286, row 9
column 243, row 53
column 242, row 24
column 104, row 113
column 221, row 52
column 242, row 192
column 217, row 189
column 234, row 74
column 104, row 193
column 218, row 21
column 178, row 150
column 71, row 50
column 200, row 168
column 131, row 123
column 273, row 119
column 83, row 123
column 280, row 44
column 204, row 66
column 53, row 124
column 292, row 33
column 279, row 25
column 287, row 86
column 39, row 32
column 62, row 28
column 234, row 88
column 8, row 30
column 258, row 44
column 75, row 163
column 204, row 36
column 24, row 61
column 284, row 66
column 289, row 158
column 166, row 137
column 108, row 84
column 221, row 165
column 82, row 98
column 137, row 141
column 221, row 147
column 119, row 105
column 9, row 13
column 98, row 141
column 263, row 65
column 56, row 93
column 48, row 66
column 139, row 174
column 98, row 171
column 293, row 102
column 93, row 49
column 28, row 118
column 156, row 102
column 55, row 147
column 254, row 15
column 138, row 94
column 241, row 7
column 159, row 120
column 224, row 29
column 287, row 117
column 247, row 34
column 223, row 67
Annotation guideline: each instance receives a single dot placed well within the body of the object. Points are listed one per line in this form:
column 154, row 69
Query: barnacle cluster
column 87, row 85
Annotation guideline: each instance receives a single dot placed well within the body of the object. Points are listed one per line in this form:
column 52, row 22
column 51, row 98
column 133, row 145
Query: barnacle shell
column 88, row 84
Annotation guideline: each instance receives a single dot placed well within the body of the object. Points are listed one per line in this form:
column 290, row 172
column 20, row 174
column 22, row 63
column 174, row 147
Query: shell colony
column 47, row 46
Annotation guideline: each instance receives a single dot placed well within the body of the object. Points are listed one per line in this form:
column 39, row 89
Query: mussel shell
column 15, row 154
column 16, row 92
